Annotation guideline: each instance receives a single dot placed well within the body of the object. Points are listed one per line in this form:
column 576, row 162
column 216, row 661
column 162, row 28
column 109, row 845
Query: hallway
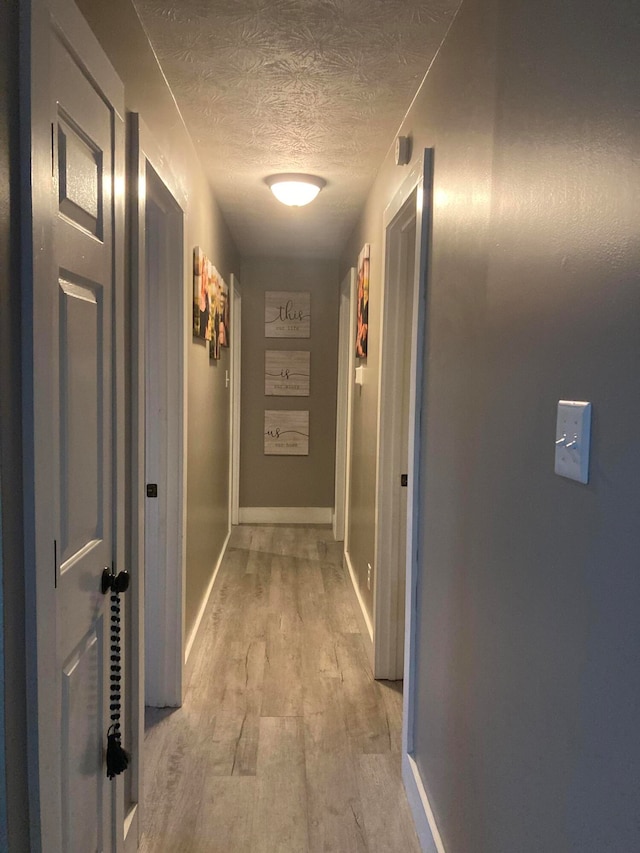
column 285, row 742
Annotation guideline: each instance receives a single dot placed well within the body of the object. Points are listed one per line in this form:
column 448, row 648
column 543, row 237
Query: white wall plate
column 573, row 434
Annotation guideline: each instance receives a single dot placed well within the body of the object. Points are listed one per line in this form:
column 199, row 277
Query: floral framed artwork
column 362, row 334
column 211, row 311
column 219, row 315
column 225, row 315
column 201, row 306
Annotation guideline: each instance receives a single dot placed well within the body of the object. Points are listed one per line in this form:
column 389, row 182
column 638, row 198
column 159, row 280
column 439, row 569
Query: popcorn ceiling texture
column 316, row 86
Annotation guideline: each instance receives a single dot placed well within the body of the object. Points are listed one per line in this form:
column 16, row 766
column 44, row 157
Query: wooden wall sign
column 286, row 433
column 286, row 373
column 287, row 314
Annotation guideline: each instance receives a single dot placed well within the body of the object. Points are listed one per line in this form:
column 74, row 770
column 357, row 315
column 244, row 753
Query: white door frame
column 388, row 574
column 418, row 800
column 234, row 419
column 4, row 843
column 346, row 361
column 135, row 613
column 164, row 516
column 43, row 722
column 163, row 683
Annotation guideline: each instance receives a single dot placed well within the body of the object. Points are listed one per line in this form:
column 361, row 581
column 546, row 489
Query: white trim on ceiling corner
column 285, row 514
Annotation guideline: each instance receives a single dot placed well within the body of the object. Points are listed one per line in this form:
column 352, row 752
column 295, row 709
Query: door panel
column 73, row 447
column 80, row 177
column 82, row 281
column 81, row 440
column 82, row 768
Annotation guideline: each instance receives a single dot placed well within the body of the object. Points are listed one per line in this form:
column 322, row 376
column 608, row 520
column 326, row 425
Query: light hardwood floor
column 285, row 743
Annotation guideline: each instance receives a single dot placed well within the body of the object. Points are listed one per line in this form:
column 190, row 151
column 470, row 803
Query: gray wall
column 294, row 481
column 118, row 28
column 14, row 823
column 528, row 685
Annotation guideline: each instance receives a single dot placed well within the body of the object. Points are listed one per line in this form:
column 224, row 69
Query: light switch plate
column 573, row 434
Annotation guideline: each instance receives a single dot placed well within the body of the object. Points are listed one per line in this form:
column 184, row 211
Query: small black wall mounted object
column 117, row 758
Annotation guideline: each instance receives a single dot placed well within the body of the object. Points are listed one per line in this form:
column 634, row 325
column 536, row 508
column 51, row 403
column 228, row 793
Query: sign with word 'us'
column 286, row 433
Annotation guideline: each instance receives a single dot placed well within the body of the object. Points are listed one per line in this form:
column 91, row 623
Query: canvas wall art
column 287, row 373
column 362, row 335
column 286, row 433
column 211, row 312
column 225, row 316
column 287, row 314
column 220, row 327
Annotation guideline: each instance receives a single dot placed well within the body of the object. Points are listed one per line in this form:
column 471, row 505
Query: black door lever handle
column 114, row 583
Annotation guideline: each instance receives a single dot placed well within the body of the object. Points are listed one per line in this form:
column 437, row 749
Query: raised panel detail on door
column 82, row 746
column 80, row 406
column 80, row 176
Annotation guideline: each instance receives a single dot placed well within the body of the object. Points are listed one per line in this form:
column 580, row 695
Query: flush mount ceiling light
column 294, row 189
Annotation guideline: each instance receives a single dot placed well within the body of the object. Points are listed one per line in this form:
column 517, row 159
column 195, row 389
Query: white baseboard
column 132, row 830
column 423, row 817
column 285, row 514
column 366, row 626
column 205, row 601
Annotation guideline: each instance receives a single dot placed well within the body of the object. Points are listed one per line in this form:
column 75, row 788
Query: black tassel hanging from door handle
column 117, row 757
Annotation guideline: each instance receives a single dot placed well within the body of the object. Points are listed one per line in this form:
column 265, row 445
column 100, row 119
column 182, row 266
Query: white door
column 405, row 237
column 76, row 423
column 397, row 378
column 164, row 446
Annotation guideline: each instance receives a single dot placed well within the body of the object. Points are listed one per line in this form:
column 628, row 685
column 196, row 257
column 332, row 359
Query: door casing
column 161, row 618
column 424, row 818
column 390, row 562
column 346, row 362
column 234, row 419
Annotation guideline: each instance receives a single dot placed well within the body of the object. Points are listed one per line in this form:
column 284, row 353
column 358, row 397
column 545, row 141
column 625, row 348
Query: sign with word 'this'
column 287, row 314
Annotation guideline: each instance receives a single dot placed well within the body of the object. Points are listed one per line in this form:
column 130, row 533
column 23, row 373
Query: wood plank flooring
column 285, row 743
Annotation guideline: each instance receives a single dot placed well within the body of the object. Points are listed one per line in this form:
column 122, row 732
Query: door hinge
column 404, row 480
column 55, row 564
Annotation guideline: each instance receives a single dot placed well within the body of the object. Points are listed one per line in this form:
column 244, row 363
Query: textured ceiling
column 317, row 86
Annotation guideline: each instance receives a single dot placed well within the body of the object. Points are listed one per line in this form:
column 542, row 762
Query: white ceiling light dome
column 295, row 189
